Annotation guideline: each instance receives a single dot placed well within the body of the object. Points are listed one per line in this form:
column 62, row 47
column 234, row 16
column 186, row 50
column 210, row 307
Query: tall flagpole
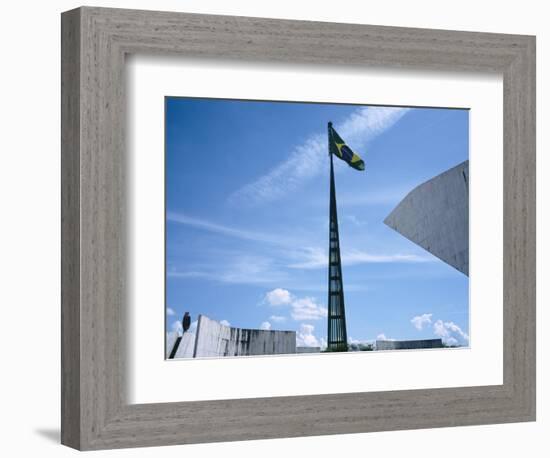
column 337, row 334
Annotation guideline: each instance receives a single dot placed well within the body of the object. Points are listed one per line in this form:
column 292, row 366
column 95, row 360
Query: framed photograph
column 277, row 228
column 249, row 257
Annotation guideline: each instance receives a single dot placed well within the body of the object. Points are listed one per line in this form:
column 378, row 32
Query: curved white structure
column 434, row 215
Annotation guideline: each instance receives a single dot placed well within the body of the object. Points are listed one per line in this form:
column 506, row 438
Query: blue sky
column 247, row 187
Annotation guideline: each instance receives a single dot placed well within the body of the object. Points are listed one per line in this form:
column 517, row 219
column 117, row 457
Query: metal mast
column 337, row 335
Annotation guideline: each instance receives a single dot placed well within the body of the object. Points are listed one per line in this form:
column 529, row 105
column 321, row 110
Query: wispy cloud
column 316, row 258
column 294, row 246
column 275, row 261
column 239, row 269
column 362, row 257
column 188, row 274
column 306, row 160
column 304, row 163
column 382, row 196
column 223, row 229
column 316, row 288
column 277, row 318
column 355, row 221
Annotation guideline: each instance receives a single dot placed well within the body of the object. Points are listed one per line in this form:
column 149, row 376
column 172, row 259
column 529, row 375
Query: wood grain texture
column 70, row 229
column 96, row 414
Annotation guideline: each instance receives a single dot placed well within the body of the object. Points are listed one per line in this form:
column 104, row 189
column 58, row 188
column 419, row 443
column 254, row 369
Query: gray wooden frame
column 95, row 414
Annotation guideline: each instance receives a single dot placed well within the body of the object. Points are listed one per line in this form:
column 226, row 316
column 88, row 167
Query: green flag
column 339, row 148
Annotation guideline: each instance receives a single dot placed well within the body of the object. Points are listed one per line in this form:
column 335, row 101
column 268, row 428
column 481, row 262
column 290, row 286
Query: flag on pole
column 339, row 148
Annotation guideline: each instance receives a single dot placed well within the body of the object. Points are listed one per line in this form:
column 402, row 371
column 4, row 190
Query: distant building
column 434, row 215
column 308, row 349
column 213, row 339
column 361, row 346
column 408, row 344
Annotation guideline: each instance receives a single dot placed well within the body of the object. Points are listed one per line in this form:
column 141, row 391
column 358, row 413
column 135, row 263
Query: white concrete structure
column 185, row 347
column 434, row 215
column 213, row 339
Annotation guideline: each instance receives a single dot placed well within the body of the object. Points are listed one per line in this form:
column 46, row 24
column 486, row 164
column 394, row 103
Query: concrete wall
column 186, row 346
column 408, row 344
column 214, row 340
column 434, row 215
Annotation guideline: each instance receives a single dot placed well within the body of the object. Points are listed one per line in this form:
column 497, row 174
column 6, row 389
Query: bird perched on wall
column 186, row 322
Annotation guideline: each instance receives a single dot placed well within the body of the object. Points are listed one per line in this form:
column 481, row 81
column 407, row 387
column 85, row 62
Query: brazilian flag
column 339, row 148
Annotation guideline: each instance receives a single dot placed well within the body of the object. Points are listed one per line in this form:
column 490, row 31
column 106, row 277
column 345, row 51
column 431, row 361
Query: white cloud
column 265, row 325
column 309, row 159
column 439, row 329
column 305, row 337
column 306, row 308
column 301, row 308
column 449, row 332
column 382, row 336
column 451, row 341
column 420, row 320
column 277, row 318
column 177, row 327
column 170, row 311
column 456, row 329
column 278, row 296
column 225, row 323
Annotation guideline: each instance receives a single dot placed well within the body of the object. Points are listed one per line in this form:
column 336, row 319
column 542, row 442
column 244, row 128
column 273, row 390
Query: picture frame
column 95, row 410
